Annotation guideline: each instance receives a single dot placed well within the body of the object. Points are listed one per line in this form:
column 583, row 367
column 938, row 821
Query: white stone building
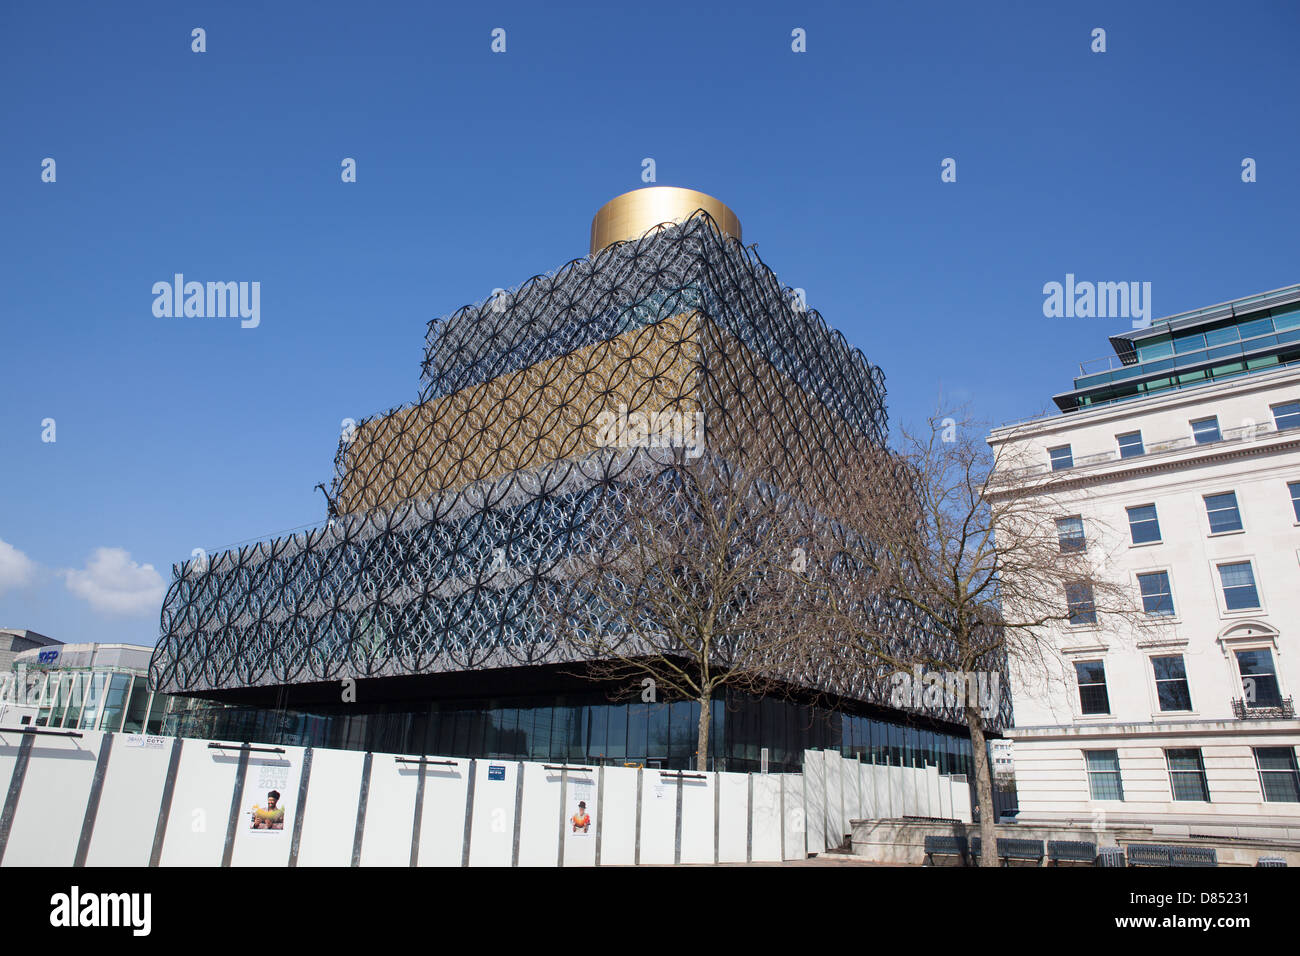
column 1181, row 471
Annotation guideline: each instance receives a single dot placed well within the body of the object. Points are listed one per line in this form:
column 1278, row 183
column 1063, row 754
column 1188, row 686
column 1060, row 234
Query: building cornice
column 1187, row 728
column 1154, row 463
column 1159, row 401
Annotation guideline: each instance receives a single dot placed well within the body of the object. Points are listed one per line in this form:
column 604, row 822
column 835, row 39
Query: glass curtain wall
column 587, row 729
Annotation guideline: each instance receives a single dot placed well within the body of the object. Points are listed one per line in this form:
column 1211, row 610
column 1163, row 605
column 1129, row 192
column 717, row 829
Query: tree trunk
column 702, row 743
column 983, row 788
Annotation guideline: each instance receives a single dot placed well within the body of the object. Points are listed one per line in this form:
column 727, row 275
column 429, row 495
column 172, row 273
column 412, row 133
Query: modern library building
column 409, row 620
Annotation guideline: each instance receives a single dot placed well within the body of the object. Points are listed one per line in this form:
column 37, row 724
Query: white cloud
column 114, row 584
column 16, row 569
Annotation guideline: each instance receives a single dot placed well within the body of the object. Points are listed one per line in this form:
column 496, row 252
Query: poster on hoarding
column 584, row 796
column 268, row 814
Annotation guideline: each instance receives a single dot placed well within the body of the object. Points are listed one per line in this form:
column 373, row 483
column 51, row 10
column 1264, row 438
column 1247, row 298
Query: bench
column 945, row 846
column 1071, row 851
column 1149, row 854
column 1110, row 856
column 1010, row 849
column 1271, row 861
column 1193, row 856
column 1024, row 851
column 1156, row 854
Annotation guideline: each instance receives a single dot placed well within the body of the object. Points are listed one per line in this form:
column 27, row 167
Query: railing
column 1227, row 436
column 1191, row 358
column 1234, row 308
column 1200, row 383
column 1242, row 709
column 1106, row 363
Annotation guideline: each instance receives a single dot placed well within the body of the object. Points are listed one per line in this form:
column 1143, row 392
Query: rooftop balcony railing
column 1244, row 434
column 1093, row 371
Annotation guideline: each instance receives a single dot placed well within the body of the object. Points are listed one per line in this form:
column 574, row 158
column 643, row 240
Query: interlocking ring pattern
column 448, row 517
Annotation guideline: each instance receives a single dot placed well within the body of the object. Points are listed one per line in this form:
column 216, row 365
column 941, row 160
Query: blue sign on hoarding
column 496, row 771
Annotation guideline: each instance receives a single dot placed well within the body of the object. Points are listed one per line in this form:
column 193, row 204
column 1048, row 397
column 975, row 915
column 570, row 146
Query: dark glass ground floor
column 584, row 726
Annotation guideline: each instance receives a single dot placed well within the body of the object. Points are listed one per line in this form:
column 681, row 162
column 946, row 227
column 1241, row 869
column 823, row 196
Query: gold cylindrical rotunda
column 630, row 215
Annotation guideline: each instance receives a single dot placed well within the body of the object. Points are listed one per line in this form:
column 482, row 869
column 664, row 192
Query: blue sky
column 478, row 170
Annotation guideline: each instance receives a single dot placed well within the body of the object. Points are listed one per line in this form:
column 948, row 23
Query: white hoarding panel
column 129, row 802
column 814, row 800
column 917, row 788
column 539, row 830
column 796, row 818
column 618, row 817
column 697, row 818
column 766, row 814
column 492, row 837
column 329, row 819
column 200, row 811
column 9, row 744
column 865, row 781
column 833, row 775
column 658, row 817
column 897, row 777
column 268, row 809
column 961, row 802
column 733, row 816
column 390, row 812
column 442, row 815
column 580, row 806
column 52, row 805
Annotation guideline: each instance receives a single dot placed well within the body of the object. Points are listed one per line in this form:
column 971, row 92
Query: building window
column 1294, row 488
column 1187, row 774
column 1143, row 524
column 1239, row 591
column 1104, row 782
column 1069, row 532
column 1062, row 457
column 137, row 706
column 1157, row 596
column 1078, row 597
column 90, row 713
column 1286, row 415
column 1206, row 430
column 115, row 703
column 1223, row 513
column 1093, row 698
column 1258, row 678
column 1278, row 776
column 157, row 713
column 1130, row 445
column 1171, row 683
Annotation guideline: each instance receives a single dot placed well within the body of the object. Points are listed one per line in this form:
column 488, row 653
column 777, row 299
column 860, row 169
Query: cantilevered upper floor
column 1213, row 344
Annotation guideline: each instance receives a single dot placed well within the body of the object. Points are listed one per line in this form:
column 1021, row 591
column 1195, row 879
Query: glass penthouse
column 1213, row 344
column 447, row 517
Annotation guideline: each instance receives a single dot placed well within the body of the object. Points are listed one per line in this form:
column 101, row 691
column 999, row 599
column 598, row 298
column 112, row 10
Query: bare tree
column 942, row 560
column 685, row 567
